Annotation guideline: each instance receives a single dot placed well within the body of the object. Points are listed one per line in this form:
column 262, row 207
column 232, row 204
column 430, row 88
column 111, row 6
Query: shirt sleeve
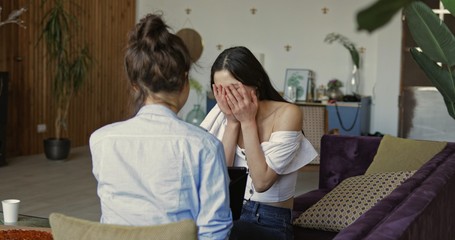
column 95, row 152
column 287, row 151
column 215, row 218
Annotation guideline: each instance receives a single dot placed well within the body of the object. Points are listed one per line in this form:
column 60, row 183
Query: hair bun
column 152, row 31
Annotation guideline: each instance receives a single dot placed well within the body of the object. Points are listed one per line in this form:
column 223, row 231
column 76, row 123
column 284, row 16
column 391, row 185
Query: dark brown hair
column 245, row 67
column 155, row 60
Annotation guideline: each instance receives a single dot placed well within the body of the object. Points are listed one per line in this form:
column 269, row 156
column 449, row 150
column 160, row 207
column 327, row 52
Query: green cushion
column 70, row 228
column 399, row 154
column 350, row 199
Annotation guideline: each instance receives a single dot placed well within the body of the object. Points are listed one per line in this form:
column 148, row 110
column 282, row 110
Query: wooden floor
column 68, row 187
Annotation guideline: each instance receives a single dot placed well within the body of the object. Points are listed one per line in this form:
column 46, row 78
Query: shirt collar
column 156, row 109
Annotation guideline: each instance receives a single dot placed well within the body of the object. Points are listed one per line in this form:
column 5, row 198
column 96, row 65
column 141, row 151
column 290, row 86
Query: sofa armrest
column 341, row 157
column 420, row 208
column 345, row 156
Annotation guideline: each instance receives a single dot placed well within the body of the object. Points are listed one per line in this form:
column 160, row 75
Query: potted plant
column 69, row 66
column 436, row 56
column 333, row 90
column 354, row 82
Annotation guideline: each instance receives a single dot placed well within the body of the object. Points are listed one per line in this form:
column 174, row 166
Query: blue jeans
column 260, row 221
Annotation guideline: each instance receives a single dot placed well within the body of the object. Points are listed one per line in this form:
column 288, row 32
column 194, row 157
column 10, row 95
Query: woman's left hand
column 243, row 103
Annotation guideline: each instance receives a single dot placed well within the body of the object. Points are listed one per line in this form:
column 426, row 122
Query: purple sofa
column 423, row 207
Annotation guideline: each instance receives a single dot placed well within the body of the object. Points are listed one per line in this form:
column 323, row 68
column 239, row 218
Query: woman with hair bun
column 155, row 168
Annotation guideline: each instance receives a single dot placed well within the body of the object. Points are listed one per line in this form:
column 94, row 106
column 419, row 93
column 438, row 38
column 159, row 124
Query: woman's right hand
column 220, row 96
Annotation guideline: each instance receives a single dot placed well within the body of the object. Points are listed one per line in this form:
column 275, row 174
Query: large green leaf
column 449, row 5
column 450, row 107
column 442, row 79
column 379, row 14
column 430, row 33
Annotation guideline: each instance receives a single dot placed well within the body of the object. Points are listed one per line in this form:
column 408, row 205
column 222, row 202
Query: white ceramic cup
column 10, row 210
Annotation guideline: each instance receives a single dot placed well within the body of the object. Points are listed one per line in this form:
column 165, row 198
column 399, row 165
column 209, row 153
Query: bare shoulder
column 289, row 118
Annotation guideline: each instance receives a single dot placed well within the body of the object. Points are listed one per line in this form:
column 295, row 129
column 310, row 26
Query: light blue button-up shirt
column 155, row 168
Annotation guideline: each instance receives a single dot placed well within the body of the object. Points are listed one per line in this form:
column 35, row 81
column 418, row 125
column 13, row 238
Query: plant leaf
column 449, row 5
column 350, row 46
column 379, row 14
column 79, row 69
column 450, row 107
column 194, row 84
column 442, row 79
column 355, row 57
column 430, row 33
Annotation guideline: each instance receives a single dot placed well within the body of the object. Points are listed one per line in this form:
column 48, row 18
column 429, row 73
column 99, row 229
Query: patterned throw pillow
column 350, row 199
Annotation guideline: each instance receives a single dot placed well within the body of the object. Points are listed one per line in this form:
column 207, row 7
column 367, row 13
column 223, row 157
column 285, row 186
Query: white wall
column 301, row 24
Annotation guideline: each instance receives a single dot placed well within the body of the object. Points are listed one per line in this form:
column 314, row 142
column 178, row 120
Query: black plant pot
column 57, row 149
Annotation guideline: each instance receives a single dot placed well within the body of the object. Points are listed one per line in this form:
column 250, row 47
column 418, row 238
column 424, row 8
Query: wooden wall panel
column 8, row 36
column 102, row 100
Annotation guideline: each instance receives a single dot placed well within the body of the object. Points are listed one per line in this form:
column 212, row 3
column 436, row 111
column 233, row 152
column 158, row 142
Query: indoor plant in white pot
column 69, row 66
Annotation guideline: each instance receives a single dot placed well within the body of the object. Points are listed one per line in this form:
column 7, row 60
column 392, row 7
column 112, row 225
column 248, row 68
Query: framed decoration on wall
column 298, row 82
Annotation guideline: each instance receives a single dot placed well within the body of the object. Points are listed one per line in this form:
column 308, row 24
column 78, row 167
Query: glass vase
column 196, row 115
column 353, row 83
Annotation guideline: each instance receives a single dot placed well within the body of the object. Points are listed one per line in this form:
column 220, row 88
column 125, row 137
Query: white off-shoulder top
column 285, row 152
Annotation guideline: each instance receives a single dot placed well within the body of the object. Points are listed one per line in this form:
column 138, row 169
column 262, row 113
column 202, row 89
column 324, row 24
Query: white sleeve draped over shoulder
column 215, row 122
column 285, row 152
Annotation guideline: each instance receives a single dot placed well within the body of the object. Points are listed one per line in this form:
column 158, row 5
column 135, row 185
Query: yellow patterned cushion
column 350, row 199
column 401, row 154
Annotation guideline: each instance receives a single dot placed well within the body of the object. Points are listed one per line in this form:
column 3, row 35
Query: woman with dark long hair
column 260, row 131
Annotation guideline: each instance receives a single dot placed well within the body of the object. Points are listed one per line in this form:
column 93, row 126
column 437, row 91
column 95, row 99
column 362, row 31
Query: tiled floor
column 45, row 186
column 68, row 187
